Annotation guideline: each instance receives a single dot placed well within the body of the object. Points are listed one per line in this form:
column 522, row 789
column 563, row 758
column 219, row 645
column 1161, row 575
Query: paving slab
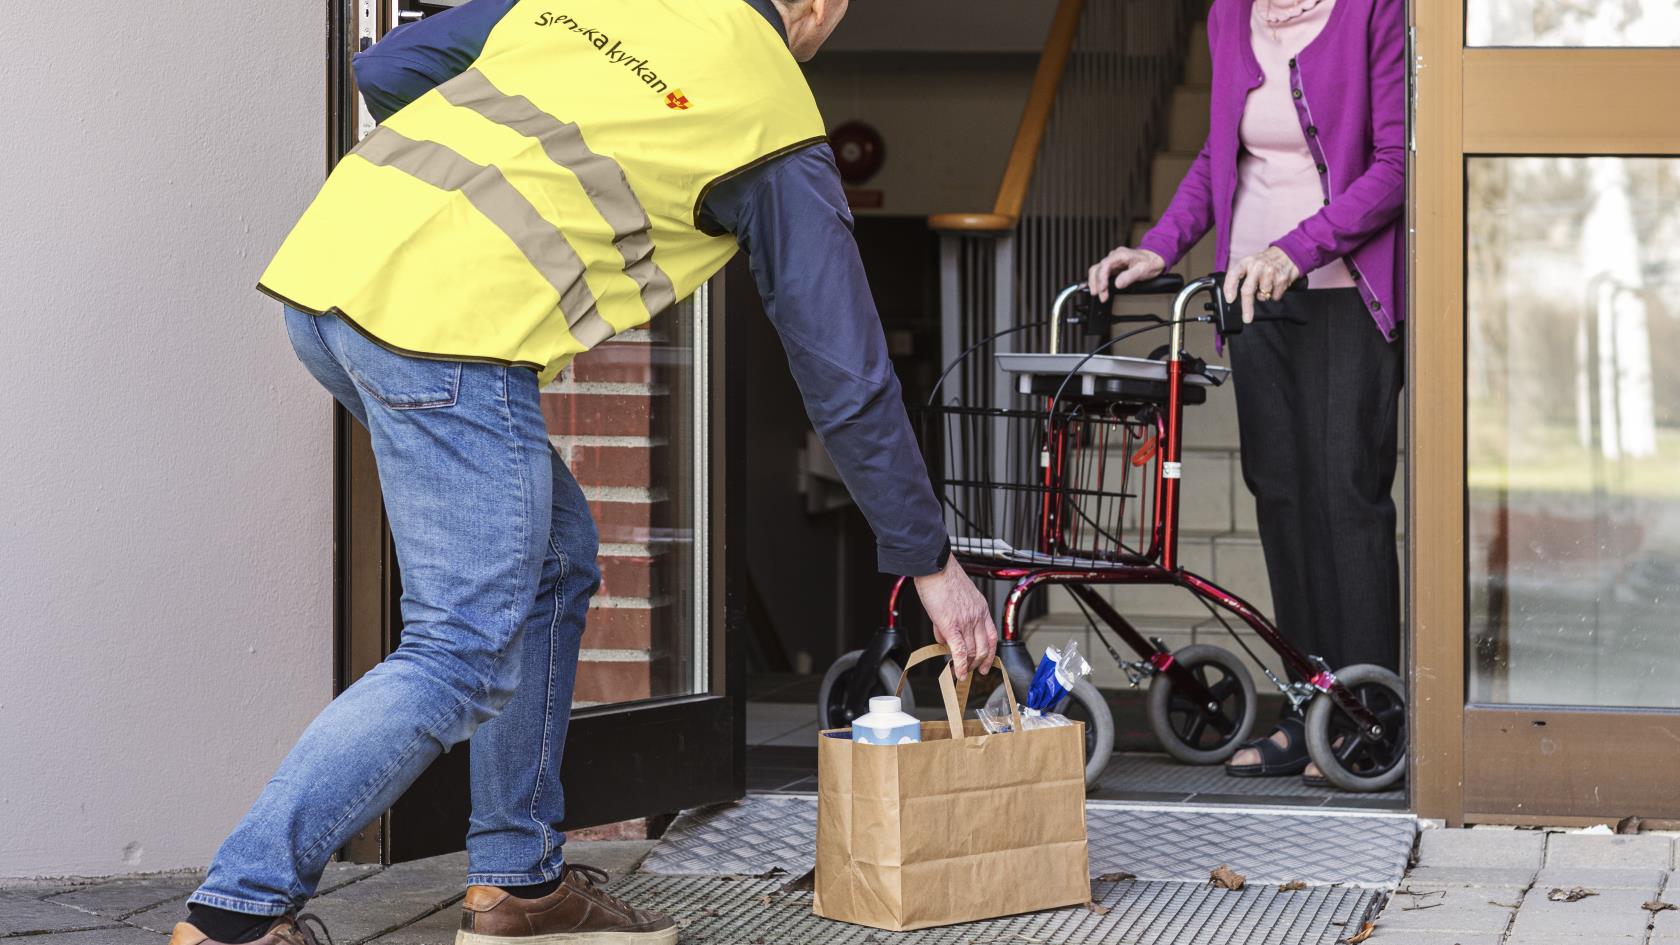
column 392, row 898
column 439, row 928
column 1382, row 937
column 1612, row 915
column 26, row 915
column 1665, row 926
column 1606, row 851
column 1497, row 849
column 1438, row 877
column 124, row 896
column 1566, row 877
column 1483, row 911
column 617, row 857
column 1560, row 938
column 114, row 935
column 163, row 916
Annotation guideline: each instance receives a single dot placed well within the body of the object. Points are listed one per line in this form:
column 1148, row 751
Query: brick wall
column 616, row 416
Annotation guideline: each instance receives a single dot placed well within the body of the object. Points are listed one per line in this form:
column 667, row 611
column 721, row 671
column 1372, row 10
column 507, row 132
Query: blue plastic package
column 1056, row 675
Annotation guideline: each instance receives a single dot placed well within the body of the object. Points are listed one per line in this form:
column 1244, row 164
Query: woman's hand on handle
column 1265, row 275
column 962, row 620
column 1123, row 267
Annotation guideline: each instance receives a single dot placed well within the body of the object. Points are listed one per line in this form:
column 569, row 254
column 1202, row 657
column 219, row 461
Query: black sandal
column 1275, row 760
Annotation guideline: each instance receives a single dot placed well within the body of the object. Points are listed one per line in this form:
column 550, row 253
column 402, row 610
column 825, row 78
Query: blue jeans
column 497, row 551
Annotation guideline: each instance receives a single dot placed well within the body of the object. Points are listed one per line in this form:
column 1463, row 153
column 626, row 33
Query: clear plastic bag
column 994, row 715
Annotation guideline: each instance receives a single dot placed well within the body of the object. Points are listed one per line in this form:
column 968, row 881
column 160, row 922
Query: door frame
column 1503, row 764
column 622, row 761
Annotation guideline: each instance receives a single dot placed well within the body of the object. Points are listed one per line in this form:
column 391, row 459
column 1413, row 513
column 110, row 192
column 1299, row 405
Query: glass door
column 1546, row 387
column 655, row 717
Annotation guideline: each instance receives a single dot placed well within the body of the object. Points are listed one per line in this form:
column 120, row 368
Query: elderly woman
column 1303, row 172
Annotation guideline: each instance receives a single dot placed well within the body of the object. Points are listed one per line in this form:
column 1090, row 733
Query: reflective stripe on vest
column 488, row 191
column 602, row 179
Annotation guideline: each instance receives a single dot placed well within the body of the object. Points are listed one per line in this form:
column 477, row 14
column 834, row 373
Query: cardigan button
column 1312, row 131
column 1297, row 93
column 1327, row 201
column 1292, row 62
column 1321, row 168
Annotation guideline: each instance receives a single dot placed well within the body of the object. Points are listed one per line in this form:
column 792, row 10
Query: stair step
column 1198, row 62
column 1187, row 124
column 1166, row 171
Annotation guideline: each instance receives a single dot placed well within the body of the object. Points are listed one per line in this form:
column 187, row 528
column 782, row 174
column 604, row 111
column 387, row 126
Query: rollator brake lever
column 1227, row 316
column 1091, row 316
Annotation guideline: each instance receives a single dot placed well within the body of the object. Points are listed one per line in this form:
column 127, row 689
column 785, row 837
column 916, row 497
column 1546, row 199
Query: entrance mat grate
column 1172, row 843
column 721, row 910
column 1160, row 774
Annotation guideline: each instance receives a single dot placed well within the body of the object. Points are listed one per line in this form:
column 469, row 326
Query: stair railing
column 1078, row 172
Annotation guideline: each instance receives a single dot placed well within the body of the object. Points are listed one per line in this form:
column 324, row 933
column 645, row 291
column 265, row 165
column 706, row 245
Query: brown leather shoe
column 284, row 931
column 580, row 912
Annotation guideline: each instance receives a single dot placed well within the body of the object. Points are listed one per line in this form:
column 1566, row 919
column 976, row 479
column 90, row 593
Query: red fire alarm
column 859, row 151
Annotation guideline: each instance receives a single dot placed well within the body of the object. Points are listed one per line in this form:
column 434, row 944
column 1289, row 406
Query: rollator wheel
column 1180, row 723
column 831, row 698
column 1350, row 759
column 1086, row 704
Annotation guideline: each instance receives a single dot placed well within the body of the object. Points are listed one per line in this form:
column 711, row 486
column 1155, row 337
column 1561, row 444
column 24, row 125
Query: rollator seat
column 1108, row 377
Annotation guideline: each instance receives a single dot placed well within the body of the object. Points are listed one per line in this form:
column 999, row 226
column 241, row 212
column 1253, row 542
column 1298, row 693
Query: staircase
column 1218, row 533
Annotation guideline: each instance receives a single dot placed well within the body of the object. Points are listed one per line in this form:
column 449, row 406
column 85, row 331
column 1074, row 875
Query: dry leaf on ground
column 1293, row 885
column 1657, row 905
column 1573, row 894
column 1361, row 935
column 1118, row 876
column 1098, row 909
column 1629, row 824
column 1224, row 877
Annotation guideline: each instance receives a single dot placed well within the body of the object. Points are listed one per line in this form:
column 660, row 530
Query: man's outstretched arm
column 792, row 219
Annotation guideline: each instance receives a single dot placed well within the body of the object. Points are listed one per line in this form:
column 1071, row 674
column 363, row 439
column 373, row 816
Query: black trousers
column 1317, row 409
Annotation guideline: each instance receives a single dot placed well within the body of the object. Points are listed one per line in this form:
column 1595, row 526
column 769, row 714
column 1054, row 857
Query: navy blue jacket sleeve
column 417, row 57
column 792, row 219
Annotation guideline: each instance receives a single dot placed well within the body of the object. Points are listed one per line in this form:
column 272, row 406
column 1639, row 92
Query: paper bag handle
column 955, row 693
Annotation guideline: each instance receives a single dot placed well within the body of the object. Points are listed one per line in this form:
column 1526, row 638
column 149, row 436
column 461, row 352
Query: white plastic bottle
column 886, row 723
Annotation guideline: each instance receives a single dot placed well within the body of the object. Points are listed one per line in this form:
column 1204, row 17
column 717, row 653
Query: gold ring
column 1265, row 296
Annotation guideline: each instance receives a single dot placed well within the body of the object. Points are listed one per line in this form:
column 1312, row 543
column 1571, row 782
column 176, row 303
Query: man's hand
column 1265, row 275
column 1125, row 266
column 962, row 620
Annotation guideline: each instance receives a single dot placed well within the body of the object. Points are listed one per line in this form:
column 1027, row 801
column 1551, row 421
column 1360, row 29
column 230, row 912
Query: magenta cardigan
column 1350, row 96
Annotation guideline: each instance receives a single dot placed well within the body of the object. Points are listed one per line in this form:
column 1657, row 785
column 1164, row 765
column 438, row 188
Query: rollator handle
column 1227, row 316
column 1164, row 284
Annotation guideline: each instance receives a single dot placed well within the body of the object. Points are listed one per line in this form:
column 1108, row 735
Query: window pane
column 1572, row 23
column 628, row 418
column 1573, row 430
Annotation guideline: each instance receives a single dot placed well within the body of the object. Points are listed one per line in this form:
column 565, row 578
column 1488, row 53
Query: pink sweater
column 1277, row 178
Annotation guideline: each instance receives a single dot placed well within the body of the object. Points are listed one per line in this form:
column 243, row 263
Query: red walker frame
column 1159, row 565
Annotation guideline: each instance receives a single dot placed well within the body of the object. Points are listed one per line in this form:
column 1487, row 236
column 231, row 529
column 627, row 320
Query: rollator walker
column 1081, row 489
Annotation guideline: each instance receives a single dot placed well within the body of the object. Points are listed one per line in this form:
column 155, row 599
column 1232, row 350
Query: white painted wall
column 165, row 477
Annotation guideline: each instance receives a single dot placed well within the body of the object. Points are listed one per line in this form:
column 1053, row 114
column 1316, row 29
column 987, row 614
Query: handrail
column 1029, row 135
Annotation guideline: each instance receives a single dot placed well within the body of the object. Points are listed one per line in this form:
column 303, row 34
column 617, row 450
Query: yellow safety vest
column 549, row 197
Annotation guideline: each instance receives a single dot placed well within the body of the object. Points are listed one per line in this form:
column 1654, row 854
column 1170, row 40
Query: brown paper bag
column 962, row 826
